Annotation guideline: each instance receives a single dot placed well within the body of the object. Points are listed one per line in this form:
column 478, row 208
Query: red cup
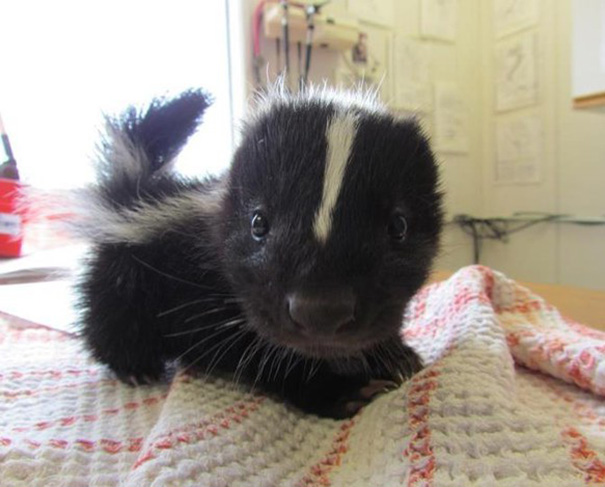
column 11, row 223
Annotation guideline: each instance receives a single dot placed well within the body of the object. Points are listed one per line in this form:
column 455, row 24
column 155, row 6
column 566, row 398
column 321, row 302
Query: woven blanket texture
column 511, row 396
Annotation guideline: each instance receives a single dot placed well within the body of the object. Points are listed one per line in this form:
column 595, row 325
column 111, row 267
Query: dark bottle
column 8, row 164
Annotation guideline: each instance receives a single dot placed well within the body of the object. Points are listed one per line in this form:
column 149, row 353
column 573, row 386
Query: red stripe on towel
column 419, row 450
column 319, row 473
column 584, row 330
column 192, row 433
column 556, row 355
column 50, row 374
column 583, row 457
column 89, row 418
column 106, row 445
column 16, row 394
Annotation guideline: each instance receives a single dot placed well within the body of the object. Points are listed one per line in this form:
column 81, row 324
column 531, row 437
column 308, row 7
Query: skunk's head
column 331, row 220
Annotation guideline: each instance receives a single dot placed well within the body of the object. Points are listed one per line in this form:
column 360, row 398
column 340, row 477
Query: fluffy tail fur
column 140, row 146
column 134, row 172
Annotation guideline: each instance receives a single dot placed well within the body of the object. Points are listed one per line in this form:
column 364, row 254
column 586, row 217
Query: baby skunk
column 290, row 273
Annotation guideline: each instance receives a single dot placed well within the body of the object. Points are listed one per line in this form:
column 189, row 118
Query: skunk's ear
column 412, row 136
column 411, row 121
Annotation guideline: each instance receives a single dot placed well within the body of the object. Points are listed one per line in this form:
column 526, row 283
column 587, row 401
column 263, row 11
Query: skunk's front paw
column 343, row 397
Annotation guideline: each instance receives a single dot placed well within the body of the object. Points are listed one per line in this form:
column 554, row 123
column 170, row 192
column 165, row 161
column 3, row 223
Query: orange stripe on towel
column 419, row 450
column 13, row 395
column 15, row 375
column 319, row 473
column 583, row 330
column 583, row 457
column 68, row 421
column 104, row 445
column 210, row 427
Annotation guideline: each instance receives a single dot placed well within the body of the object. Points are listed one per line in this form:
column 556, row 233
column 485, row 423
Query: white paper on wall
column 412, row 75
column 516, row 72
column 439, row 19
column 519, row 143
column 381, row 12
column 451, row 119
column 513, row 15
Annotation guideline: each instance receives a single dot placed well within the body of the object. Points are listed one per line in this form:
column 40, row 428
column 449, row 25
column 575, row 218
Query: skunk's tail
column 140, row 145
column 136, row 192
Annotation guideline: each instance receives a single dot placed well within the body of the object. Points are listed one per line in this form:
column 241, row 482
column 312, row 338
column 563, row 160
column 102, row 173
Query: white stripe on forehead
column 340, row 135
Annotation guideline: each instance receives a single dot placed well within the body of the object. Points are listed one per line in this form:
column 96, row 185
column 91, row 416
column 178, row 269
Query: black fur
column 201, row 289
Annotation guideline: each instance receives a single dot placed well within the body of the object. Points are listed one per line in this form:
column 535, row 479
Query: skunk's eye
column 259, row 225
column 397, row 227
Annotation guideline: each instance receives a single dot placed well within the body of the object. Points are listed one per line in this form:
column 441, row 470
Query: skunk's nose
column 322, row 312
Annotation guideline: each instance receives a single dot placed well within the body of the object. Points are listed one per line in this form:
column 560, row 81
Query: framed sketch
column 412, row 69
column 519, row 150
column 516, row 72
column 451, row 119
column 513, row 15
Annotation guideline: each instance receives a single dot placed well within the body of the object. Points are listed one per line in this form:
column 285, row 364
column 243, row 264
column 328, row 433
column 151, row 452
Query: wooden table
column 583, row 305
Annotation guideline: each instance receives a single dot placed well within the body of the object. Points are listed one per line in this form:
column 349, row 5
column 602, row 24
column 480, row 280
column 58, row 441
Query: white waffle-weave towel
column 511, row 397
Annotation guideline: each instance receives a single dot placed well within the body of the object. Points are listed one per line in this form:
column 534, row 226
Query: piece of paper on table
column 39, row 287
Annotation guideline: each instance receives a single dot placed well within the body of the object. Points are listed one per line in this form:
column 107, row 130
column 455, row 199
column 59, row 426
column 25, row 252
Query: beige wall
column 573, row 166
column 573, row 162
column 531, row 254
column 580, row 152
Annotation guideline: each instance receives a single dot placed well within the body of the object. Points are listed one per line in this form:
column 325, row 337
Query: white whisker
column 206, row 313
column 216, row 359
column 169, row 276
column 279, row 358
column 315, row 364
column 201, row 342
column 231, row 338
column 180, row 306
column 218, row 326
column 247, row 356
column 263, row 362
column 291, row 365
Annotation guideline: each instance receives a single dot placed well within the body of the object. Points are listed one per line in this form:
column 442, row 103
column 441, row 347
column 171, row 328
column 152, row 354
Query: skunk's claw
column 377, row 387
column 349, row 406
column 138, row 379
